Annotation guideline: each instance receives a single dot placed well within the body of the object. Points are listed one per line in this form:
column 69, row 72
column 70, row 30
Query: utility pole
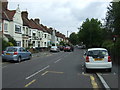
column 67, row 33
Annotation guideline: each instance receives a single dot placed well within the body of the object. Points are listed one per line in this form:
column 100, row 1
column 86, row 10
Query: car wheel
column 109, row 70
column 87, row 70
column 19, row 59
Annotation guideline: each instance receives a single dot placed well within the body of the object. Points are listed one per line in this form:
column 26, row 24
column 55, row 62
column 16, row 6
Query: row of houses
column 27, row 32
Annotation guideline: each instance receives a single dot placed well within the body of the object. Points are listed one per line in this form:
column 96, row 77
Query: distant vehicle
column 72, row 48
column 97, row 58
column 67, row 48
column 16, row 54
column 61, row 48
column 54, row 49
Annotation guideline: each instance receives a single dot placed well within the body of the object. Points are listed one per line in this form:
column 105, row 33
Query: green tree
column 73, row 38
column 4, row 44
column 62, row 43
column 12, row 40
column 113, row 18
column 90, row 33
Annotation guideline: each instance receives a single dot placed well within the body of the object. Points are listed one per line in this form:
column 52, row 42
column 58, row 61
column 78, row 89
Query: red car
column 67, row 48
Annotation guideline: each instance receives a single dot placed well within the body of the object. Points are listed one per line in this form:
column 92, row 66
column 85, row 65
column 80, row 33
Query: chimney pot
column 37, row 20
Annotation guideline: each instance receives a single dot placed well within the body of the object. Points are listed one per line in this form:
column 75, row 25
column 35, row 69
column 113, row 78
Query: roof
column 8, row 15
column 33, row 25
column 96, row 49
column 8, row 36
column 26, row 21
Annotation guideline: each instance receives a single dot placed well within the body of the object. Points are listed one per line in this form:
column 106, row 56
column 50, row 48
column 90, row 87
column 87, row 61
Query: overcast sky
column 63, row 15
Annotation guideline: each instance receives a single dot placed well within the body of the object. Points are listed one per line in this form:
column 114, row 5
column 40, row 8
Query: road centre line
column 103, row 81
column 37, row 72
column 57, row 61
column 51, row 72
column 30, row 83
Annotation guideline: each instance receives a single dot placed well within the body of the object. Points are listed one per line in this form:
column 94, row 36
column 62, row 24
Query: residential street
column 56, row 70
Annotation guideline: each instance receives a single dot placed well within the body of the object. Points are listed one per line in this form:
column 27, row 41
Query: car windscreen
column 11, row 49
column 97, row 53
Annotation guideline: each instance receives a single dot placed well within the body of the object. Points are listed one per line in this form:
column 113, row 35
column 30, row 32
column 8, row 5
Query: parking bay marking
column 30, row 83
column 93, row 82
column 37, row 72
column 103, row 81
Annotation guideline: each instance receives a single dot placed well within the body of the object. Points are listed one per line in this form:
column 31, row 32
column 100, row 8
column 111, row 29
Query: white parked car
column 97, row 58
column 54, row 49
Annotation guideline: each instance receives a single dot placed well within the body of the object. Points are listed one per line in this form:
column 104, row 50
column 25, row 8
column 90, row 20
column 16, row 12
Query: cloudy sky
column 63, row 15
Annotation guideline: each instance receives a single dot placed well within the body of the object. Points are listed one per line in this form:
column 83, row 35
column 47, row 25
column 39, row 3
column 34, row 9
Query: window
column 30, row 32
column 18, row 43
column 11, row 49
column 5, row 27
column 0, row 26
column 45, row 35
column 45, row 43
column 27, row 31
column 17, row 28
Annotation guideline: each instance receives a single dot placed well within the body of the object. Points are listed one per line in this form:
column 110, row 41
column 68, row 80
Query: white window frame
column 18, row 27
column 6, row 27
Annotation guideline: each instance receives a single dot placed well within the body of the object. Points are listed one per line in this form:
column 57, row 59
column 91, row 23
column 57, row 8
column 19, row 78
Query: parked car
column 61, row 48
column 16, row 54
column 54, row 49
column 98, row 58
column 72, row 48
column 67, row 48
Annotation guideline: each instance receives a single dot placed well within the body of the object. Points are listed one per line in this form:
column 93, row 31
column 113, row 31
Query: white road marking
column 57, row 61
column 103, row 81
column 37, row 72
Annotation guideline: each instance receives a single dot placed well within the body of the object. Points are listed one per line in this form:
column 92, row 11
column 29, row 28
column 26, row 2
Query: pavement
column 56, row 70
column 42, row 54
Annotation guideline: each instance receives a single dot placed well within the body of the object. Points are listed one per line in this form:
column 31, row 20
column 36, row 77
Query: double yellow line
column 30, row 83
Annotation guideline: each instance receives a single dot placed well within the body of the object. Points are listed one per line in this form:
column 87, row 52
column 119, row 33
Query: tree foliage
column 73, row 38
column 113, row 18
column 90, row 33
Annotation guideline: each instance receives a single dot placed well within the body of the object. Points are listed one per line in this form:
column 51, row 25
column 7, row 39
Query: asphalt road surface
column 56, row 70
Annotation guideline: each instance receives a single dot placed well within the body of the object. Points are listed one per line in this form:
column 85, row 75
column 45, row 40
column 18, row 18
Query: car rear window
column 97, row 53
column 11, row 49
column 53, row 47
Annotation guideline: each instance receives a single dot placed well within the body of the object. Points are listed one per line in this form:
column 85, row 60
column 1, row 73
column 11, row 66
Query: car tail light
column 87, row 58
column 109, row 59
column 15, row 53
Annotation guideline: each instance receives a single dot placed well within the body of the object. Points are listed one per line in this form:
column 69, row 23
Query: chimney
column 25, row 14
column 37, row 20
column 4, row 5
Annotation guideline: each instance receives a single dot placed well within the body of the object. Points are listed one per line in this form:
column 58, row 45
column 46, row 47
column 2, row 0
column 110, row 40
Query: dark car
column 16, row 54
column 61, row 48
column 72, row 48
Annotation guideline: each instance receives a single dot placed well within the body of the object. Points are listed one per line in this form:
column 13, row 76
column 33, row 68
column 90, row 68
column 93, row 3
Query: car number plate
column 98, row 59
column 7, row 53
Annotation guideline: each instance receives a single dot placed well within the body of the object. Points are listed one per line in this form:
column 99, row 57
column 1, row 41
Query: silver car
column 54, row 49
column 16, row 54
